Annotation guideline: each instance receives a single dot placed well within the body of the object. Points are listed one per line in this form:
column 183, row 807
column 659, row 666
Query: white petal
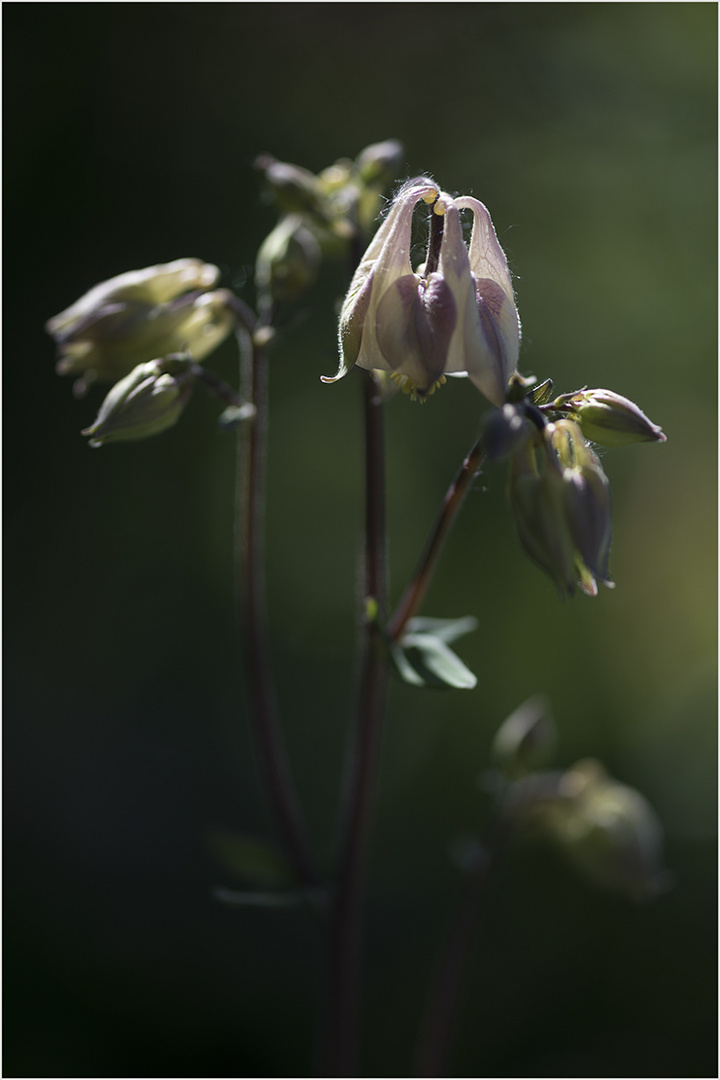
column 487, row 258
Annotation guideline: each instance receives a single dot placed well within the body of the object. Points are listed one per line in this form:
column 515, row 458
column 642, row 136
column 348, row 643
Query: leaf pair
column 422, row 656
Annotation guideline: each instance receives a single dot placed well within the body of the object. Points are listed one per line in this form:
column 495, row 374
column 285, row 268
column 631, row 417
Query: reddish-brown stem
column 414, row 594
column 441, row 1011
column 342, row 1005
column 250, row 505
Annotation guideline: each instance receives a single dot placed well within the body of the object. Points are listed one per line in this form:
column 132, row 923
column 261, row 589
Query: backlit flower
column 455, row 315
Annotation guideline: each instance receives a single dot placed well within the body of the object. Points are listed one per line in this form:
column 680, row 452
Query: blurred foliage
column 590, row 132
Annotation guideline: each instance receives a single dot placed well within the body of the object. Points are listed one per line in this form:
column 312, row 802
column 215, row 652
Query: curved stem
column 249, row 522
column 216, row 385
column 440, row 1018
column 342, row 1006
column 414, row 594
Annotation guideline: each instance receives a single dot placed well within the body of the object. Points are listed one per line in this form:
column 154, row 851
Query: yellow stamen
column 411, row 389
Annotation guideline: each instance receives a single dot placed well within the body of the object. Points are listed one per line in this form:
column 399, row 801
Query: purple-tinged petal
column 414, row 324
column 386, row 259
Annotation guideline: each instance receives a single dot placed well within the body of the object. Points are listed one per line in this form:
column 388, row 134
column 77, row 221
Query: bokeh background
column 130, row 133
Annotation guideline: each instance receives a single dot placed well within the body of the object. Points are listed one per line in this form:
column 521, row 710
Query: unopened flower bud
column 147, row 401
column 608, row 419
column 561, row 501
column 587, row 503
column 607, row 830
column 140, row 315
column 288, row 260
column 526, row 739
column 294, row 189
column 380, row 162
column 537, row 500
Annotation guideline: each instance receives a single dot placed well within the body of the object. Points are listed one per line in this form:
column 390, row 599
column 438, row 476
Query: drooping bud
column 537, row 500
column 608, row 419
column 587, row 503
column 294, row 189
column 380, row 162
column 560, row 497
column 146, row 402
column 288, row 260
column 152, row 285
column 607, row 830
column 526, row 739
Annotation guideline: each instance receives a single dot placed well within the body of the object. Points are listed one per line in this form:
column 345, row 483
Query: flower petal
column 415, row 321
column 487, row 258
column 386, row 259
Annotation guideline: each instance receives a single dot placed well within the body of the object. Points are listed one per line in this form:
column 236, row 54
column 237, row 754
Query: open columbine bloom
column 456, row 315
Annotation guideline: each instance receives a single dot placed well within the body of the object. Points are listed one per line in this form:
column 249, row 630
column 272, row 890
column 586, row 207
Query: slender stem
column 361, row 777
column 249, row 522
column 438, row 1027
column 218, row 386
column 414, row 594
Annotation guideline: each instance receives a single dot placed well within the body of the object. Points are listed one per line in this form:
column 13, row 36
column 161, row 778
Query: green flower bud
column 288, row 260
column 537, row 500
column 526, row 739
column 608, row 419
column 144, row 403
column 586, row 492
column 138, row 316
column 380, row 163
column 607, row 830
column 293, row 189
column 561, row 504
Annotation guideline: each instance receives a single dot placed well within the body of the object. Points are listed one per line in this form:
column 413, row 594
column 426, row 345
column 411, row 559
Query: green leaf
column 235, row 415
column 250, row 859
column 446, row 629
column 425, row 660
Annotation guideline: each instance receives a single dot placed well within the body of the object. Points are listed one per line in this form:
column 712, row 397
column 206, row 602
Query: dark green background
column 130, row 132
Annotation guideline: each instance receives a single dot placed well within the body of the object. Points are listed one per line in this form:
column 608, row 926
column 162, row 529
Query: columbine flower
column 456, row 315
column 135, row 317
column 147, row 401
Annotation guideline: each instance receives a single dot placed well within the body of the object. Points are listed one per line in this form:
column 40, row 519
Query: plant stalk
column 341, row 1035
column 414, row 594
column 438, row 1028
column 249, row 533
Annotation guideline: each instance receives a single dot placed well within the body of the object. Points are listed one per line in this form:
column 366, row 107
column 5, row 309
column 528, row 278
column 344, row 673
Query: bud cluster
column 321, row 215
column 606, row 830
column 559, row 493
